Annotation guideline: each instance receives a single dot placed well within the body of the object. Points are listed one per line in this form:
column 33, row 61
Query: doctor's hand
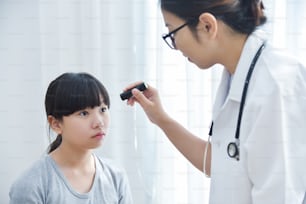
column 150, row 102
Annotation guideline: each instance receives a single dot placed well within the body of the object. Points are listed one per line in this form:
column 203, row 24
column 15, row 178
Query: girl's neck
column 78, row 167
column 73, row 158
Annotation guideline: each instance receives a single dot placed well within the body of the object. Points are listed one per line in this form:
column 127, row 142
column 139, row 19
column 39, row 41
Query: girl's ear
column 55, row 124
column 209, row 24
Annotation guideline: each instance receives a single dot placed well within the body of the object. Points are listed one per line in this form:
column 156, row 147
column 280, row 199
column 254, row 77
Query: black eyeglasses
column 169, row 38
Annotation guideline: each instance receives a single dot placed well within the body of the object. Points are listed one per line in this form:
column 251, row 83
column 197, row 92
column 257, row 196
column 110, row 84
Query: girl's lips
column 99, row 135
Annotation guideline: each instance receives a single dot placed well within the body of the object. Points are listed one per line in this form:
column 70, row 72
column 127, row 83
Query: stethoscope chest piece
column 233, row 150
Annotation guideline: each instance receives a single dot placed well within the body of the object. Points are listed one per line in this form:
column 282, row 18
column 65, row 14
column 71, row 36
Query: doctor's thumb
column 140, row 97
column 137, row 94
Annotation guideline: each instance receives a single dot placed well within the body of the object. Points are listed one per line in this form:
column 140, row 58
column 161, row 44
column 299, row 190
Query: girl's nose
column 98, row 122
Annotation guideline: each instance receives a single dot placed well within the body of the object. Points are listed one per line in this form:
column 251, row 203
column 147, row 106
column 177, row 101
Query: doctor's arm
column 276, row 152
column 191, row 146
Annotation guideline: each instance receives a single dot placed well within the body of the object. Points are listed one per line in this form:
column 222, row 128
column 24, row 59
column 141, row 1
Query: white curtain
column 118, row 41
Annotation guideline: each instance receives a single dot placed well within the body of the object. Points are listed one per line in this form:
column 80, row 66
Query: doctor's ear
column 209, row 24
column 55, row 124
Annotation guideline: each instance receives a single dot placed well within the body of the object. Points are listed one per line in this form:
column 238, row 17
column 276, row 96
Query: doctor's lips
column 128, row 93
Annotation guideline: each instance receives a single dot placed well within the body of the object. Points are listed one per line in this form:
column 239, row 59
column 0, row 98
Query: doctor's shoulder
column 283, row 66
column 281, row 57
column 31, row 185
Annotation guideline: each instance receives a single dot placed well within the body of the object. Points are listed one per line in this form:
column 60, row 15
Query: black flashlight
column 128, row 93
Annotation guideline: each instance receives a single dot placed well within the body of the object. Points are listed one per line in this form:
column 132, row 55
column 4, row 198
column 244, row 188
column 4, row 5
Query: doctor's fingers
column 143, row 98
column 149, row 92
column 150, row 103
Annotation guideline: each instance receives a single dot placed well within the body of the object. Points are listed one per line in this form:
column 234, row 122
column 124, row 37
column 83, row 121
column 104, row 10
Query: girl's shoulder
column 32, row 181
column 35, row 172
column 109, row 165
column 111, row 170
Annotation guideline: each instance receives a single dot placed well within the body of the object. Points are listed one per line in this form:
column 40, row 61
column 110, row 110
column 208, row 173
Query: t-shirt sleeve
column 29, row 187
column 25, row 192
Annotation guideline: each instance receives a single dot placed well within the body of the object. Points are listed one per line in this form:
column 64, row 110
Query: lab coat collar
column 253, row 42
column 234, row 92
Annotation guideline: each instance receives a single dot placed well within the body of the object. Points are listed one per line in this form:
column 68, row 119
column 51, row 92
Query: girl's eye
column 104, row 109
column 83, row 113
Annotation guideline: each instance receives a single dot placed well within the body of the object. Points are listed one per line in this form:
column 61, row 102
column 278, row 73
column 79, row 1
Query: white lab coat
column 272, row 165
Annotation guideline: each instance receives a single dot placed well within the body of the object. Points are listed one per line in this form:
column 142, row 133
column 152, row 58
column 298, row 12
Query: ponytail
column 245, row 16
column 261, row 16
column 253, row 11
column 55, row 144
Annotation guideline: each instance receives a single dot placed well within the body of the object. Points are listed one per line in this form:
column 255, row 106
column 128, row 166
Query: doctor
column 256, row 151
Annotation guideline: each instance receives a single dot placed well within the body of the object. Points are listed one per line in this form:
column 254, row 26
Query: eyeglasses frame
column 172, row 45
column 170, row 34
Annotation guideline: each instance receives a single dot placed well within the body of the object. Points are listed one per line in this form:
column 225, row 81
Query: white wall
column 21, row 105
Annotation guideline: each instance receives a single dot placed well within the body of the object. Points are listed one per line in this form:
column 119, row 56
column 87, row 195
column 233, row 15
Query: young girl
column 77, row 107
column 257, row 151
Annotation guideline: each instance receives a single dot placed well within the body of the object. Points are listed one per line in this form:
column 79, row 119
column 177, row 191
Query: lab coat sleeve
column 276, row 157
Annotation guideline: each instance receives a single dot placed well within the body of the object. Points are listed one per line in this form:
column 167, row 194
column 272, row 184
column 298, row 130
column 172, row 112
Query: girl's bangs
column 79, row 94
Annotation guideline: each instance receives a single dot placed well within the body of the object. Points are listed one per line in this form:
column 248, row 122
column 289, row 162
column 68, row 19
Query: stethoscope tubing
column 233, row 147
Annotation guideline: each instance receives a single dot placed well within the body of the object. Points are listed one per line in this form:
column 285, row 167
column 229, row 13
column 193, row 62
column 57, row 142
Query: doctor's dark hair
column 71, row 92
column 243, row 16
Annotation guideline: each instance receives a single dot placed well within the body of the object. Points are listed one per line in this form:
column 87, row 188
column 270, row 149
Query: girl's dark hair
column 242, row 16
column 71, row 92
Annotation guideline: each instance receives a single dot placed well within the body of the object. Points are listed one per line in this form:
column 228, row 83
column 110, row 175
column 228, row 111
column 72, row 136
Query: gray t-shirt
column 44, row 183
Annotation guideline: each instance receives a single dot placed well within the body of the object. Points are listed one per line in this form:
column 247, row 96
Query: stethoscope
column 233, row 147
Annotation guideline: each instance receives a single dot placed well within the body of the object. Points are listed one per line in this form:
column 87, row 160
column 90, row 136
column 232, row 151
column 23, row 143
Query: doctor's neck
column 231, row 47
